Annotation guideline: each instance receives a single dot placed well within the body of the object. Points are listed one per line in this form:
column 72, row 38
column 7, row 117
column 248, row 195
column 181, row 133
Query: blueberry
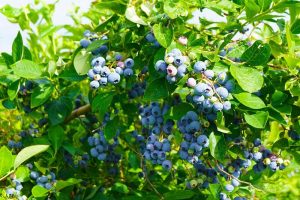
column 87, row 33
column 34, row 174
column 229, row 187
column 167, row 165
column 257, row 156
column 119, row 70
column 209, row 73
column 128, row 72
column 161, row 66
column 257, row 142
column 94, row 84
column 181, row 70
column 103, row 81
column 183, row 155
column 114, row 78
column 94, row 152
column 101, row 156
column 48, row 186
column 42, row 179
column 200, row 88
column 223, row 196
column 199, row 67
column 176, row 52
column 19, row 187
column 99, row 61
column 203, row 140
column 191, row 82
column 222, row 92
column 84, row 43
column 150, row 37
column 178, row 60
column 171, row 79
column 273, row 166
column 218, row 106
column 118, row 57
column 229, row 85
column 222, row 77
column 129, row 62
column 222, row 53
column 235, row 183
column 227, row 105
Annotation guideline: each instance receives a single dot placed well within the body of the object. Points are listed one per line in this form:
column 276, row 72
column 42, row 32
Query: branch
column 77, row 112
column 231, row 176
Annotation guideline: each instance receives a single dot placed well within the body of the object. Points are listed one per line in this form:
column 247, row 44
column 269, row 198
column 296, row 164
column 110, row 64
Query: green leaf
column 251, row 8
column 29, row 152
column 7, row 58
column 250, row 100
column 27, row 69
column 163, row 34
column 217, row 146
column 8, row 104
column 258, row 54
column 281, row 144
column 40, row 95
column 250, row 79
column 17, row 48
column 179, row 110
column 131, row 15
column 56, row 136
column 6, row 161
column 13, row 89
column 82, row 62
column 120, row 187
column 27, row 54
column 156, row 90
column 102, row 26
column 295, row 28
column 117, row 6
column 63, row 184
column 39, row 191
column 179, row 194
column 93, row 46
column 257, row 120
column 58, row 110
column 111, row 128
column 22, row 173
column 102, row 102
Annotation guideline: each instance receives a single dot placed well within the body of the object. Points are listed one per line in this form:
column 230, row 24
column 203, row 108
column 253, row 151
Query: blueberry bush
column 151, row 100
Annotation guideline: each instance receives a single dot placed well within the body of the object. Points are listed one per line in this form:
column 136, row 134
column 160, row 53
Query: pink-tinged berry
column 183, row 40
column 191, row 82
column 121, row 64
column 171, row 70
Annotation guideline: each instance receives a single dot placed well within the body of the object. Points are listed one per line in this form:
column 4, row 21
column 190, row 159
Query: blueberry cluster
column 151, row 38
column 101, row 75
column 192, row 146
column 102, row 150
column 223, row 196
column 77, row 161
column 211, row 93
column 15, row 191
column 137, row 90
column 262, row 158
column 15, row 144
column 152, row 119
column 205, row 176
column 24, row 93
column 46, row 181
column 89, row 38
column 173, row 66
column 156, row 151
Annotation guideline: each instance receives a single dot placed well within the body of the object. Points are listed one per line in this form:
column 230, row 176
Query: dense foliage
column 152, row 100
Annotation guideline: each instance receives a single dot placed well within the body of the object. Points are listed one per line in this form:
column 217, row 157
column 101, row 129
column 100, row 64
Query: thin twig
column 231, row 176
